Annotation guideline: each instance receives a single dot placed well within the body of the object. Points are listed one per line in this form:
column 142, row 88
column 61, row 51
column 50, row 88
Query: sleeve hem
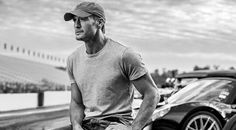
column 143, row 72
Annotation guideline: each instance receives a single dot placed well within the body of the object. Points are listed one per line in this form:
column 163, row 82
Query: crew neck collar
column 100, row 51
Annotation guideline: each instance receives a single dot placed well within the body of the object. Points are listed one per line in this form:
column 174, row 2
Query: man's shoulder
column 122, row 50
column 117, row 45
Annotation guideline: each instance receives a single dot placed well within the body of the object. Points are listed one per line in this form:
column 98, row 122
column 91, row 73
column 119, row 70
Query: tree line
column 160, row 78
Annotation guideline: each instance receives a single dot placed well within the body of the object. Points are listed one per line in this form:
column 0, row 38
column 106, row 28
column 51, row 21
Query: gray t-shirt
column 104, row 79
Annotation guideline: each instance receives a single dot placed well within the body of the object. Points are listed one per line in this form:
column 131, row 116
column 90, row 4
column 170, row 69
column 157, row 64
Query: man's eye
column 74, row 19
column 84, row 18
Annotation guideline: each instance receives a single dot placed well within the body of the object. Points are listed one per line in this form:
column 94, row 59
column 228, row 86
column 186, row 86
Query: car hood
column 222, row 108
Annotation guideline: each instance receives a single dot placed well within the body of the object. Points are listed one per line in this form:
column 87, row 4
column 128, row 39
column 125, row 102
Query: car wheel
column 202, row 121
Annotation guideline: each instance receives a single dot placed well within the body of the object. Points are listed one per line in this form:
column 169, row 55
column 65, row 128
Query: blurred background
column 172, row 37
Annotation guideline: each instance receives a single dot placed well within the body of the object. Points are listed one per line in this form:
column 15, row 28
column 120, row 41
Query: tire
column 202, row 120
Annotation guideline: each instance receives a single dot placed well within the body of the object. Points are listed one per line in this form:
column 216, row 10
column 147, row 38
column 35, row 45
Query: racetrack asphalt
column 45, row 118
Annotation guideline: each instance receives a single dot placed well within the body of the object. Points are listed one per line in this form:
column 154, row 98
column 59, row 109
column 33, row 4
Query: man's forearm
column 146, row 110
column 76, row 114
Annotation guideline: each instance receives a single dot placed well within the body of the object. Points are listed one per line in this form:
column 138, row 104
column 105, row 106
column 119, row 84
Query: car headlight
column 158, row 113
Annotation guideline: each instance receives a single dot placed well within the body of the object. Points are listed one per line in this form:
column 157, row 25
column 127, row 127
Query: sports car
column 206, row 104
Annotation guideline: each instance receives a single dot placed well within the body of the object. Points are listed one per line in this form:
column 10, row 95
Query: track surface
column 37, row 120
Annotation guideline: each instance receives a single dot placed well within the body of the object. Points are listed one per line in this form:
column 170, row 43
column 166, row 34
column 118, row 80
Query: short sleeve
column 70, row 70
column 132, row 65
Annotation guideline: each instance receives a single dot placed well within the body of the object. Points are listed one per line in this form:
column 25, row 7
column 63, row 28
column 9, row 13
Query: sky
column 170, row 34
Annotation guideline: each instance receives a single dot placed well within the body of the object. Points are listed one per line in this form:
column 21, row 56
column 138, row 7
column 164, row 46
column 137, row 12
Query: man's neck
column 96, row 44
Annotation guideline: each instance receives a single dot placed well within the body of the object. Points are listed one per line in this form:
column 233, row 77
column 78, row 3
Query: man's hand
column 118, row 126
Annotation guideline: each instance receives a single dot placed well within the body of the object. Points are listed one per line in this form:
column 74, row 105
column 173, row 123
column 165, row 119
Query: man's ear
column 99, row 23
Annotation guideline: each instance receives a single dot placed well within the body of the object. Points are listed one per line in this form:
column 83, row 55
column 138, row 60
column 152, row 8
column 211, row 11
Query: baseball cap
column 86, row 9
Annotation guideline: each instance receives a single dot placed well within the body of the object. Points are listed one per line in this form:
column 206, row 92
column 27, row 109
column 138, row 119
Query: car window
column 203, row 90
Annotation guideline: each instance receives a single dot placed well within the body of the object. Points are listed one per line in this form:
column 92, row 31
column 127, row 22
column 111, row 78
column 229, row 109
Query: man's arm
column 76, row 108
column 146, row 86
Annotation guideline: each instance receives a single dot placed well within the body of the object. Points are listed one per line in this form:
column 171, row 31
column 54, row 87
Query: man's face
column 85, row 28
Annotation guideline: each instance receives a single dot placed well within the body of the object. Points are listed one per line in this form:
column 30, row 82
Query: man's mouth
column 78, row 32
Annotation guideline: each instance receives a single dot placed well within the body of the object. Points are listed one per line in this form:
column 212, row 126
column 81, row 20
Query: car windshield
column 186, row 81
column 203, row 90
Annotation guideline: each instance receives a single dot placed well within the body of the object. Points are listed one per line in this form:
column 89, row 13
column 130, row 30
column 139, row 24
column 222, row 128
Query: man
column 102, row 74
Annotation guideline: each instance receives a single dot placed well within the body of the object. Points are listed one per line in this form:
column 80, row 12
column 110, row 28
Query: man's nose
column 77, row 23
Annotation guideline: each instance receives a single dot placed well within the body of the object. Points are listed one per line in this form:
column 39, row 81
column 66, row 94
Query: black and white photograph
column 117, row 65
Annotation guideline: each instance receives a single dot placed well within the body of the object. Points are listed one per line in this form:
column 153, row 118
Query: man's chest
column 104, row 72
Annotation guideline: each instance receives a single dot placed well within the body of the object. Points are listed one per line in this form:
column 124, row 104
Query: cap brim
column 69, row 15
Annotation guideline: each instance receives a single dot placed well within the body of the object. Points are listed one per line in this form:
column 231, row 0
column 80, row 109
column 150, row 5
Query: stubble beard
column 86, row 38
